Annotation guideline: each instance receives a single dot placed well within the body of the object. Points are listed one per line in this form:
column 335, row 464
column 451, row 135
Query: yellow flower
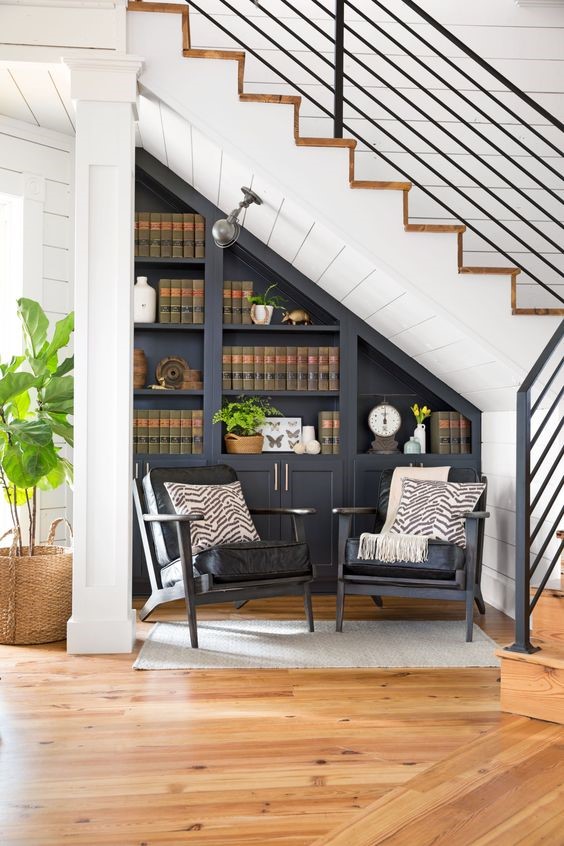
column 415, row 409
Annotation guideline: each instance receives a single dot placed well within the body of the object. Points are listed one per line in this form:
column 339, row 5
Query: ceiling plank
column 12, row 103
column 39, row 90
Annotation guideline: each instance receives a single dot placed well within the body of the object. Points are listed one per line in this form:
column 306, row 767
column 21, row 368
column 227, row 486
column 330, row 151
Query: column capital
column 112, row 79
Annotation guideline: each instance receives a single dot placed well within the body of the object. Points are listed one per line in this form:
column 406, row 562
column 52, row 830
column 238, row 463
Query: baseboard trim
column 94, row 637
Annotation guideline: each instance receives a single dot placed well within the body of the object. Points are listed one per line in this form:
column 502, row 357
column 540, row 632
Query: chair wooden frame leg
column 308, row 607
column 377, row 600
column 340, row 605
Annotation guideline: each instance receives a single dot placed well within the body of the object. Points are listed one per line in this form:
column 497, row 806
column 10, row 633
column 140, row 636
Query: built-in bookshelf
column 370, row 369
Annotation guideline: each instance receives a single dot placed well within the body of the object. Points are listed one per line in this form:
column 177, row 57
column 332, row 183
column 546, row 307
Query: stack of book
column 168, row 431
column 280, row 368
column 236, row 306
column 451, row 433
column 170, row 235
column 328, row 432
column 181, row 301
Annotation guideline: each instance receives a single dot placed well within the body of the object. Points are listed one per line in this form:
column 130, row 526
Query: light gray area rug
column 256, row 644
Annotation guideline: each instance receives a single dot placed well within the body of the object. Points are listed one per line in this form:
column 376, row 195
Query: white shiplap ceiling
column 38, row 94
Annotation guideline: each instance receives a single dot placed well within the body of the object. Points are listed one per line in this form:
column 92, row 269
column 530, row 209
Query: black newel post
column 339, row 45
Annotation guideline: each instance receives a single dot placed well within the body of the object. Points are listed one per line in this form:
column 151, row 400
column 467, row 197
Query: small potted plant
column 263, row 305
column 242, row 418
column 420, row 415
column 36, row 400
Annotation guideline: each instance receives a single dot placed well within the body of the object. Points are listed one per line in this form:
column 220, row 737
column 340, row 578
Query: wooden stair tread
column 558, row 312
column 326, row 142
column 434, row 227
column 550, row 655
column 385, row 186
column 271, row 98
column 147, row 6
column 466, row 797
column 509, row 271
column 235, row 55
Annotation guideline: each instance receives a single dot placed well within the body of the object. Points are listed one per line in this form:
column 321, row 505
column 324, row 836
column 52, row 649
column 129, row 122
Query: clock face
column 384, row 420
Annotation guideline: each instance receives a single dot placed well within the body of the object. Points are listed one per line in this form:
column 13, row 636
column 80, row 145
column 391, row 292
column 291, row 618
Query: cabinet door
column 317, row 483
column 261, row 481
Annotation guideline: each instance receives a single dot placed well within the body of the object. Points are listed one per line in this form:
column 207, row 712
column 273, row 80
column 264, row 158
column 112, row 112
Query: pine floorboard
column 95, row 753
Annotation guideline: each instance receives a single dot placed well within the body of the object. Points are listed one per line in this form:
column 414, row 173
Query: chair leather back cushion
column 158, row 501
column 456, row 474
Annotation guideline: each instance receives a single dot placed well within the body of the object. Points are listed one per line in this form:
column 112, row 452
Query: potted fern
column 36, row 399
column 242, row 418
column 263, row 305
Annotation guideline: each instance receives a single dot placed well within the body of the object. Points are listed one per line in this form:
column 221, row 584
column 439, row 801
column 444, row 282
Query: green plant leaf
column 65, row 367
column 61, row 336
column 12, row 464
column 39, row 367
column 15, row 362
column 20, row 495
column 62, row 428
column 34, row 323
column 14, row 384
column 18, row 408
column 55, row 478
column 58, row 395
column 34, row 432
column 39, row 461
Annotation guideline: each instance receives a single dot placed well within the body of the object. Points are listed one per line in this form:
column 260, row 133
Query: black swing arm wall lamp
column 226, row 231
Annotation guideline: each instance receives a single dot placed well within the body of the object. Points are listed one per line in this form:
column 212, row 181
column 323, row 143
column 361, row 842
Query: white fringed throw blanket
column 391, row 546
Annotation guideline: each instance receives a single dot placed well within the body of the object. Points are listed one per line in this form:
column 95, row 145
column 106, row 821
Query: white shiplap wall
column 32, row 151
column 526, row 45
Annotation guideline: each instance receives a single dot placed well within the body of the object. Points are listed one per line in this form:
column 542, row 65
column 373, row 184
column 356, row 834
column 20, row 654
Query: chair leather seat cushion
column 443, row 562
column 239, row 562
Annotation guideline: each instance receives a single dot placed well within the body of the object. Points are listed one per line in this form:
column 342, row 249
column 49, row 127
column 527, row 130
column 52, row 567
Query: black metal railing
column 533, row 242
column 539, row 412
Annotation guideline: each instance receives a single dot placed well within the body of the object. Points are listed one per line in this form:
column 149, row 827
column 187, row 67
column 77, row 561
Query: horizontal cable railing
column 538, row 418
column 523, row 225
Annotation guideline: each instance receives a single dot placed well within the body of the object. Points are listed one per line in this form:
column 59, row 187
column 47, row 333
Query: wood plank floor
column 95, row 753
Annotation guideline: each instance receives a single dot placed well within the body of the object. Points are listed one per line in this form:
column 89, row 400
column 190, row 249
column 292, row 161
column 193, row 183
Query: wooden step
column 557, row 312
column 503, row 789
column 434, row 227
column 548, row 615
column 491, row 271
column 533, row 685
column 326, row 142
column 372, row 184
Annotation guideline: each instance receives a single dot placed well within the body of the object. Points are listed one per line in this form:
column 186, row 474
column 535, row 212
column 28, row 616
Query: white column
column 104, row 91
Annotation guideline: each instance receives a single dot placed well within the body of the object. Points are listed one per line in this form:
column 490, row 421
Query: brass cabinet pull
column 286, row 478
column 275, row 475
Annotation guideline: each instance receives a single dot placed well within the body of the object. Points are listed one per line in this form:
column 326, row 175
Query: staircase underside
column 347, row 143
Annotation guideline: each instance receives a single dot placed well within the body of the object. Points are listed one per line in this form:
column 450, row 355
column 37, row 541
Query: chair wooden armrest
column 173, row 518
column 477, row 515
column 360, row 510
column 297, row 511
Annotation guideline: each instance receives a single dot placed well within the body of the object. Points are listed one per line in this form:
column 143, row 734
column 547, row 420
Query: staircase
column 511, row 270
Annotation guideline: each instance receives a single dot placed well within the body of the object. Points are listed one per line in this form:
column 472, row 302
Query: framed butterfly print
column 281, row 434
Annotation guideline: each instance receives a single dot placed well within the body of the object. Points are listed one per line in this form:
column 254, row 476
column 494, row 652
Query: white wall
column 37, row 165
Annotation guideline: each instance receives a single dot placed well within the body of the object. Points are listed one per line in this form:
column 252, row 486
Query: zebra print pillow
column 226, row 516
column 436, row 509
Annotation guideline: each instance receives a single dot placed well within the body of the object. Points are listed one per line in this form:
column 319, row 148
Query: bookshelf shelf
column 167, row 261
column 170, row 327
column 157, row 394
column 233, row 392
column 279, row 327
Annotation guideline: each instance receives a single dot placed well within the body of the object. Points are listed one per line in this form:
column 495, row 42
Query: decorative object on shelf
column 139, row 368
column 263, row 305
column 269, row 368
column 243, row 419
column 299, row 448
column 313, row 447
column 329, row 425
column 144, row 301
column 384, row 421
column 420, row 433
column 170, row 371
column 308, row 434
column 281, row 434
column 412, row 446
column 297, row 317
column 226, row 230
column 36, row 399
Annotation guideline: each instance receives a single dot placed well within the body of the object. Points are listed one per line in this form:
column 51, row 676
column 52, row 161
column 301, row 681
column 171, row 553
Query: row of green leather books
column 181, row 301
column 168, row 431
column 451, row 433
column 169, row 235
column 236, row 306
column 328, row 432
column 263, row 368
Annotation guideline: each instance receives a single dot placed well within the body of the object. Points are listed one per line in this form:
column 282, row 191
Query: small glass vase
column 421, row 435
column 412, row 447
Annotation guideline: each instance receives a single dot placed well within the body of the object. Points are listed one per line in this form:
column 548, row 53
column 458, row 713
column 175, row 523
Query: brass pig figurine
column 296, row 317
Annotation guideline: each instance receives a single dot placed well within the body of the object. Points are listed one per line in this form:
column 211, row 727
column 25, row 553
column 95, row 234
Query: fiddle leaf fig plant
column 36, row 399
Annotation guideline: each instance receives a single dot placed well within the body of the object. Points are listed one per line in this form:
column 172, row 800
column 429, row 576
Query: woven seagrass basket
column 243, row 444
column 35, row 591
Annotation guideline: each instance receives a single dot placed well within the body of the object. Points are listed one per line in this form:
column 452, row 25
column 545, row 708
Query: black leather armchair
column 231, row 572
column 449, row 573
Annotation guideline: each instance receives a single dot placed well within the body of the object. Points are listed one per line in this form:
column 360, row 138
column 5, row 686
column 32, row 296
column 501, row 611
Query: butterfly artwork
column 281, row 434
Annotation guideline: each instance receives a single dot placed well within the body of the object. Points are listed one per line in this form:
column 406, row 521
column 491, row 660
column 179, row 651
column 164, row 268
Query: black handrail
column 524, row 506
column 337, row 90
